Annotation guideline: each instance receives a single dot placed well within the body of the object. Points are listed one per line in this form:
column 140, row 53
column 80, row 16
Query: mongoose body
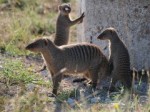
column 63, row 25
column 119, row 57
column 78, row 58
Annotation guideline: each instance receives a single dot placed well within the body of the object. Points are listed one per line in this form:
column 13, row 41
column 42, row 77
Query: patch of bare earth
column 12, row 96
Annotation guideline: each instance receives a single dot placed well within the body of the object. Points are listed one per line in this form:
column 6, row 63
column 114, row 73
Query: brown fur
column 119, row 57
column 70, row 59
column 63, row 25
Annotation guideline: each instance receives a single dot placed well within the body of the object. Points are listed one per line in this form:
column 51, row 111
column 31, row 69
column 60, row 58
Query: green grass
column 15, row 72
column 21, row 22
column 25, row 20
column 64, row 95
column 20, row 26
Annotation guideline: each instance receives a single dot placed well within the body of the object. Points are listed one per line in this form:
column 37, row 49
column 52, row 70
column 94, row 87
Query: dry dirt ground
column 11, row 95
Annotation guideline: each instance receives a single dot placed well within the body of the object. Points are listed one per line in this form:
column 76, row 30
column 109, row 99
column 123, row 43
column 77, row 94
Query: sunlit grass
column 15, row 72
column 23, row 21
column 18, row 27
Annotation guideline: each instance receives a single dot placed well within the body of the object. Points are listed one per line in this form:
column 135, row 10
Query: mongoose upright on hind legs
column 119, row 57
column 79, row 58
column 63, row 25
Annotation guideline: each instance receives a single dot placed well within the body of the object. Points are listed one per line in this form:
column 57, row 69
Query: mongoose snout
column 119, row 59
column 107, row 34
column 35, row 47
column 76, row 58
column 63, row 25
column 29, row 47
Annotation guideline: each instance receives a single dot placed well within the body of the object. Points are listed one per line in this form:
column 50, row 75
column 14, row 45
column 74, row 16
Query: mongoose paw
column 82, row 16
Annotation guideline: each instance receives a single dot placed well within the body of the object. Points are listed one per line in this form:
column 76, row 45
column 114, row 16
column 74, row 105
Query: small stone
column 108, row 100
column 30, row 87
column 71, row 102
column 44, row 73
column 143, row 99
column 95, row 100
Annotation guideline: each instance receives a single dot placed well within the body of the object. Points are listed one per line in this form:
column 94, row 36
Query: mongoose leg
column 119, row 57
column 111, row 66
column 56, row 82
column 127, row 81
column 64, row 60
column 78, row 20
column 94, row 77
column 112, row 87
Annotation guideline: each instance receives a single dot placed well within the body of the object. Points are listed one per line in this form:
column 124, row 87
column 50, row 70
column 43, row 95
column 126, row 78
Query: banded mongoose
column 63, row 25
column 119, row 57
column 78, row 58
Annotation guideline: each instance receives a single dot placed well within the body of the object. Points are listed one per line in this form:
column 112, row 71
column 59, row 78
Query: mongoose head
column 107, row 34
column 64, row 9
column 38, row 45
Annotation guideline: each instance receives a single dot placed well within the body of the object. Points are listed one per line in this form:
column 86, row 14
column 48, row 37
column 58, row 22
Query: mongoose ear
column 46, row 42
column 69, row 4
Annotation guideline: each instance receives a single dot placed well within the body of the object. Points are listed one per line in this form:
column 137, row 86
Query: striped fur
column 78, row 58
column 63, row 24
column 119, row 57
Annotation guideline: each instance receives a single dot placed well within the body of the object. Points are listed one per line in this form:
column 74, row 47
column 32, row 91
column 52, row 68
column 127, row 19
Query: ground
column 22, row 89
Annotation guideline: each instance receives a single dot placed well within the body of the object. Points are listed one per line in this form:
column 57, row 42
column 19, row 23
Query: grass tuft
column 14, row 72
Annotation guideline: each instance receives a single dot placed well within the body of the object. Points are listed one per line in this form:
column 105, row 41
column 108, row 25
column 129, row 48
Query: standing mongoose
column 119, row 59
column 63, row 25
column 79, row 58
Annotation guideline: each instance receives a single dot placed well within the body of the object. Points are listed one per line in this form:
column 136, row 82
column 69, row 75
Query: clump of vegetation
column 18, row 27
column 19, row 4
column 63, row 96
column 32, row 101
column 26, row 20
column 15, row 72
column 20, row 22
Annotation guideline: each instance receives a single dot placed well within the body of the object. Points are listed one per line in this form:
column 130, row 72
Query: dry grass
column 21, row 89
column 19, row 26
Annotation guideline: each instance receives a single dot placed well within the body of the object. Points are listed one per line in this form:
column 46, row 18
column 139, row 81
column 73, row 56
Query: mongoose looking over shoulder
column 119, row 57
column 79, row 58
column 63, row 25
